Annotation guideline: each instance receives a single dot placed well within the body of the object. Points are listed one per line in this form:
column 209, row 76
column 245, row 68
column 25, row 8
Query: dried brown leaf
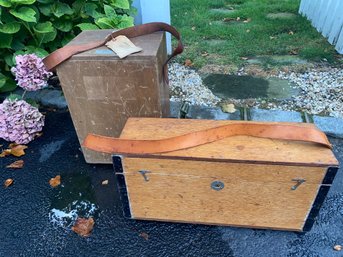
column 16, row 165
column 83, row 226
column 5, row 152
column 56, row 181
column 144, row 235
column 188, row 63
column 8, row 182
column 229, row 108
column 17, row 150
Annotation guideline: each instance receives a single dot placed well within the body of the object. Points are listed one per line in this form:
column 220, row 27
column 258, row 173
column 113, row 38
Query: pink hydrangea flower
column 30, row 72
column 19, row 121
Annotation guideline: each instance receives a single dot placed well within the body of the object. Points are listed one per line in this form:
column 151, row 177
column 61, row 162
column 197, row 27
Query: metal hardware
column 217, row 185
column 143, row 173
column 299, row 182
column 184, row 109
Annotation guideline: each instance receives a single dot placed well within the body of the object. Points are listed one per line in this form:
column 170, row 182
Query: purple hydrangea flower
column 30, row 72
column 19, row 121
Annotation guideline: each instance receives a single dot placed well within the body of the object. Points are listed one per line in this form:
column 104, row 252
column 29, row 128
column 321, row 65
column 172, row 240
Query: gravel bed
column 321, row 90
column 186, row 85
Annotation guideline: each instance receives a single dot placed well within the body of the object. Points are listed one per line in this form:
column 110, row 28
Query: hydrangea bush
column 19, row 121
column 30, row 72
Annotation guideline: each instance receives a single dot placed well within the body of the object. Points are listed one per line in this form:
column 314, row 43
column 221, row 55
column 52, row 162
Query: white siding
column 327, row 17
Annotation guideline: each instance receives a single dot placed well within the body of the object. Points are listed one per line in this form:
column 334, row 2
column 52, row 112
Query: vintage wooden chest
column 239, row 181
column 102, row 90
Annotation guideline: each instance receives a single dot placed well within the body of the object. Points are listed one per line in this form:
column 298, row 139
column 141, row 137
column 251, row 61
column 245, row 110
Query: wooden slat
column 238, row 148
column 326, row 16
column 258, row 196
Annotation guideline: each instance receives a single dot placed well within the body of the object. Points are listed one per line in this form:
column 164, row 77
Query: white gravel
column 186, row 85
column 321, row 90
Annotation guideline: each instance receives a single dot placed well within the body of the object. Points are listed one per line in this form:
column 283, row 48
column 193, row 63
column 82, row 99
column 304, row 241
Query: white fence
column 327, row 17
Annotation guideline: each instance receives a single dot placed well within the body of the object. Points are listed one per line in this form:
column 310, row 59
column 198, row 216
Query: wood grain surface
column 257, row 196
column 237, row 148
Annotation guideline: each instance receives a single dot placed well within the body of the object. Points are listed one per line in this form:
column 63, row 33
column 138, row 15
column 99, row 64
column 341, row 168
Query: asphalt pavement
column 28, row 228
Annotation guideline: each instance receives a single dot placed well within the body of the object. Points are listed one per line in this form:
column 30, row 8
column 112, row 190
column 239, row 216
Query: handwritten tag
column 122, row 46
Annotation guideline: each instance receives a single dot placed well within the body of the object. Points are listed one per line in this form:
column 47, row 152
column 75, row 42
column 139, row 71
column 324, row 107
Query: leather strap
column 64, row 53
column 264, row 130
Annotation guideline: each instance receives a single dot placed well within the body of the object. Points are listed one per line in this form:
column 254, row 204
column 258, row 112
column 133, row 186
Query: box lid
column 149, row 43
column 246, row 149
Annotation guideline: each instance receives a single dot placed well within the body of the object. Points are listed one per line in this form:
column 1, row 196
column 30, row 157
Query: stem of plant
column 30, row 31
column 23, row 95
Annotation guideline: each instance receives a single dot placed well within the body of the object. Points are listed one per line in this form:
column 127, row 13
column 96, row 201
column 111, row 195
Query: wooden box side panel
column 257, row 196
column 101, row 95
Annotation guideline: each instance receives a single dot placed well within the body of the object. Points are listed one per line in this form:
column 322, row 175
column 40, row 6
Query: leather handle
column 272, row 131
column 64, row 53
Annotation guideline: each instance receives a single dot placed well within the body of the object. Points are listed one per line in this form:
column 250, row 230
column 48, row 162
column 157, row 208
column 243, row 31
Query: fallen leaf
column 39, row 134
column 105, row 182
column 193, row 28
column 17, row 150
column 271, row 37
column 229, row 108
column 244, row 58
column 337, row 248
column 83, row 226
column 16, row 165
column 188, row 63
column 144, row 235
column 204, row 54
column 238, row 18
column 56, row 181
column 294, row 52
column 8, row 182
column 248, row 30
column 5, row 152
column 291, row 32
column 228, row 19
column 247, row 20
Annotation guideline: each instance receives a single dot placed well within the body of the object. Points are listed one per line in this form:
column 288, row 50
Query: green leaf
column 25, row 13
column 109, row 11
column 60, row 9
column 23, row 1
column 43, row 28
column 45, row 1
column 46, row 37
column 91, row 10
column 125, row 22
column 45, row 9
column 13, row 97
column 5, row 40
column 3, row 79
column 64, row 25
column 87, row 26
column 36, row 50
column 9, row 60
column 9, row 86
column 32, row 102
column 5, row 3
column 122, row 4
column 10, row 28
column 106, row 23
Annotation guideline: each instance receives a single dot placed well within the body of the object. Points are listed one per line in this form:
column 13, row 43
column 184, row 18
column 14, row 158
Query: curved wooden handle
column 189, row 140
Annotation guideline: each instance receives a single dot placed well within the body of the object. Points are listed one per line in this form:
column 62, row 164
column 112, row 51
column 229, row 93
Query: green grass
column 259, row 36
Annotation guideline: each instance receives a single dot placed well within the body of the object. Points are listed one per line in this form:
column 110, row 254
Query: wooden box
column 238, row 181
column 102, row 90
